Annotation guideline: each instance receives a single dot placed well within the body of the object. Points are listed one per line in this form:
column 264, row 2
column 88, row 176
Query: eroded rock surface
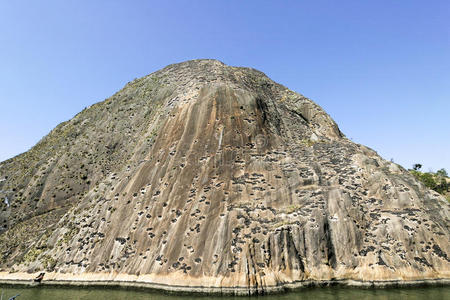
column 206, row 175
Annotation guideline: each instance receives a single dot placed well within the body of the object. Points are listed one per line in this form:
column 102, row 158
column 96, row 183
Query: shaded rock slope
column 207, row 177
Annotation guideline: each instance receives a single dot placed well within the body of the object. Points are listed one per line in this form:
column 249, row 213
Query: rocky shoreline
column 122, row 281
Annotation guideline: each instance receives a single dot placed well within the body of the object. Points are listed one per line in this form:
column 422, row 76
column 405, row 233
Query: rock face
column 207, row 177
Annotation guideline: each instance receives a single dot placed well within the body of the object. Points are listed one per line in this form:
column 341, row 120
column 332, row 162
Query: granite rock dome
column 206, row 177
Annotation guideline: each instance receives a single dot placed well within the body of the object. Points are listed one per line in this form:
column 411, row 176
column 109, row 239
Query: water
column 335, row 293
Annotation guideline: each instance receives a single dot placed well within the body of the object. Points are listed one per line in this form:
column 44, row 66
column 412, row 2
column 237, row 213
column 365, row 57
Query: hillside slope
column 206, row 177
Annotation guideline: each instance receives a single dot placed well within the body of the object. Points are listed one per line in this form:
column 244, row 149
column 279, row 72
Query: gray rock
column 206, row 177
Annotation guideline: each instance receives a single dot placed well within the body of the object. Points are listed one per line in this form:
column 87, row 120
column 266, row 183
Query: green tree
column 428, row 180
column 417, row 167
column 442, row 172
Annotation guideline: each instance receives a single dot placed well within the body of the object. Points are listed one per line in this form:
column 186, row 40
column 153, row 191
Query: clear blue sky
column 381, row 69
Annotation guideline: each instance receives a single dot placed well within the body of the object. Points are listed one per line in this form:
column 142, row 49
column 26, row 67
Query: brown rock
column 205, row 177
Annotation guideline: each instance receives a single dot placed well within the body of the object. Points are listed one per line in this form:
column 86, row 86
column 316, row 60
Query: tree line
column 437, row 181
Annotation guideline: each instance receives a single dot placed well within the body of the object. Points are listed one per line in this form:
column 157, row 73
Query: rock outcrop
column 207, row 177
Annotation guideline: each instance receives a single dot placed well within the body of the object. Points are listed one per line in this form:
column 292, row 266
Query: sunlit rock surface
column 205, row 177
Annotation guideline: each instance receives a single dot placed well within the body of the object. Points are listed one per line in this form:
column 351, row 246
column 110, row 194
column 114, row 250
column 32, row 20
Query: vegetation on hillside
column 438, row 181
